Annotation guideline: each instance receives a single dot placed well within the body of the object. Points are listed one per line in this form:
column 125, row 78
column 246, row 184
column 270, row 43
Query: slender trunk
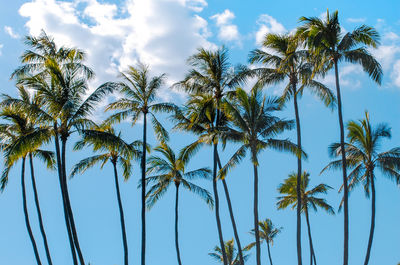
column 121, row 214
column 269, row 254
column 298, row 186
column 312, row 252
column 42, row 231
column 60, row 178
column 371, row 231
column 178, row 255
column 228, row 200
column 27, row 223
column 256, row 230
column 68, row 203
column 143, row 181
column 345, row 187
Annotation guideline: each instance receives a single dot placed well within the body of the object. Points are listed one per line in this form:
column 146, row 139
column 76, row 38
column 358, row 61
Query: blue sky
column 163, row 33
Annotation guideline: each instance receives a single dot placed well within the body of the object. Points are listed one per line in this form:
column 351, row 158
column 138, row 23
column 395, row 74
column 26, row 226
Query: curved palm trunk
column 269, row 254
column 143, row 182
column 66, row 216
column 372, row 229
column 178, row 255
column 27, row 223
column 121, row 214
column 345, row 186
column 42, row 231
column 256, row 230
column 68, row 203
column 228, row 200
column 312, row 253
column 298, row 187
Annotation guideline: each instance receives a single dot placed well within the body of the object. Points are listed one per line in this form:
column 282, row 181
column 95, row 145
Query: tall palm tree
column 212, row 74
column 362, row 157
column 326, row 41
column 60, row 79
column 231, row 253
column 254, row 128
column 170, row 168
column 289, row 61
column 139, row 90
column 308, row 199
column 115, row 150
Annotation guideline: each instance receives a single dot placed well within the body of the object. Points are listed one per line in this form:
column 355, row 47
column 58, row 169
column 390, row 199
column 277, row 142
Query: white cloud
column 268, row 24
column 10, row 32
column 395, row 74
column 356, row 20
column 227, row 30
column 1, row 47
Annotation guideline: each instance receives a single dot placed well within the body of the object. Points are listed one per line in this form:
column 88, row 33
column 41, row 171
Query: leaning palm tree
column 231, row 253
column 171, row 169
column 254, row 128
column 212, row 74
column 115, row 150
column 362, row 157
column 284, row 59
column 308, row 199
column 326, row 41
column 140, row 92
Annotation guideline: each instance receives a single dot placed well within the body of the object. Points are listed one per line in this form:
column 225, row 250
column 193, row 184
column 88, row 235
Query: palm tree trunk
column 68, row 203
column 27, row 223
column 269, row 254
column 312, row 253
column 298, row 187
column 256, row 230
column 121, row 214
column 42, row 231
column 143, row 182
column 60, row 178
column 372, row 229
column 178, row 255
column 228, row 200
column 344, row 166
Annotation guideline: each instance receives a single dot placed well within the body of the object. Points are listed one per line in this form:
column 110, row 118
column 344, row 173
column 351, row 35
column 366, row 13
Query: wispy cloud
column 11, row 32
column 1, row 48
column 268, row 24
column 227, row 30
column 356, row 20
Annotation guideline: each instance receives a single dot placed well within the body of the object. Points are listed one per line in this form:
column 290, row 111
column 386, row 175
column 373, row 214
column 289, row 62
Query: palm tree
column 60, row 79
column 362, row 157
column 251, row 115
column 326, row 41
column 212, row 74
column 231, row 253
column 140, row 92
column 288, row 61
column 169, row 169
column 115, row 150
column 308, row 199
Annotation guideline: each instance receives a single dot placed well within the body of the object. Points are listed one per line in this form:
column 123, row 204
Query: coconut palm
column 139, row 90
column 268, row 232
column 254, row 128
column 170, row 168
column 213, row 75
column 362, row 157
column 284, row 59
column 326, row 41
column 115, row 150
column 309, row 200
column 231, row 253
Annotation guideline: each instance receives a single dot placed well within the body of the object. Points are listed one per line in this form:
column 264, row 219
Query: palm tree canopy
column 267, row 231
column 231, row 253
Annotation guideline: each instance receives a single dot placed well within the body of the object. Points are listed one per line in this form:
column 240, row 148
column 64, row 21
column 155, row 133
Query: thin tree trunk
column 60, row 178
column 42, row 231
column 298, row 187
column 178, row 255
column 143, row 181
column 121, row 214
column 69, row 208
column 345, row 187
column 372, row 229
column 27, row 223
column 312, row 252
column 228, row 200
column 269, row 254
column 256, row 230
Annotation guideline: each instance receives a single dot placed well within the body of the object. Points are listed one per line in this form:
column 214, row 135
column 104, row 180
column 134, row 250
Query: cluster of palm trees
column 54, row 102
